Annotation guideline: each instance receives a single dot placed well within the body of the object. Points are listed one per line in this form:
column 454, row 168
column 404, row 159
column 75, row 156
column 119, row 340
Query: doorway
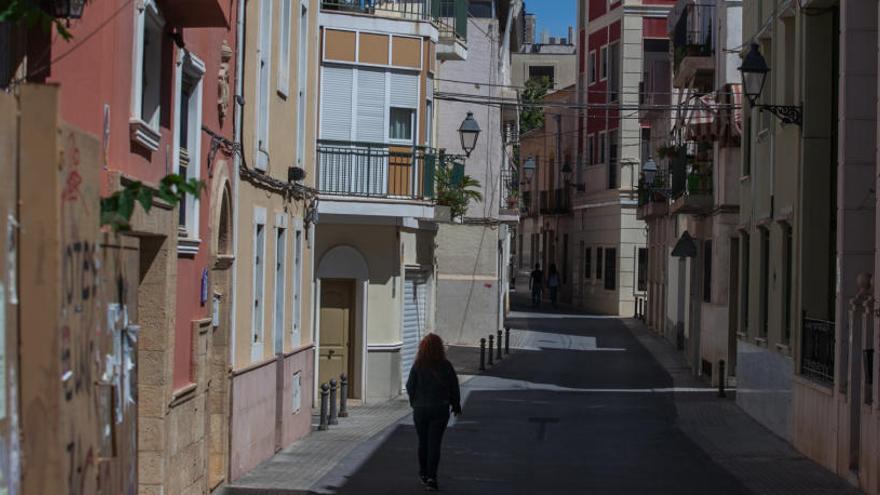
column 337, row 331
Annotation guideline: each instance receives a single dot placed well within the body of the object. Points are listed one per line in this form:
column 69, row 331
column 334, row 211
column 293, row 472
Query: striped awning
column 730, row 122
column 700, row 123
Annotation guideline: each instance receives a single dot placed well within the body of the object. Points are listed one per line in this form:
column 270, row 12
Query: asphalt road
column 584, row 409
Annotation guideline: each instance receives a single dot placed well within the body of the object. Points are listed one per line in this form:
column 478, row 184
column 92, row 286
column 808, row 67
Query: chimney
column 552, row 40
column 570, row 35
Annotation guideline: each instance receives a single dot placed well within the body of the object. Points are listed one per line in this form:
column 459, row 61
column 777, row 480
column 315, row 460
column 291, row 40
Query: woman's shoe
column 423, row 479
column 431, row 486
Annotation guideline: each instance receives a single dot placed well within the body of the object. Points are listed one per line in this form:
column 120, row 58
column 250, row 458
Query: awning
column 701, row 118
column 730, row 122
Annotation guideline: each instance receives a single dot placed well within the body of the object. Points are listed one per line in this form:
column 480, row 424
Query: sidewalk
column 763, row 462
column 322, row 460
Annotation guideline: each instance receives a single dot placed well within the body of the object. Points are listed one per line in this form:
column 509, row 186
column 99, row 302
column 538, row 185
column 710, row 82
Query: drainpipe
column 237, row 133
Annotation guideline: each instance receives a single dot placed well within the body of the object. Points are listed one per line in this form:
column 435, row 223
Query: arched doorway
column 342, row 282
column 221, row 305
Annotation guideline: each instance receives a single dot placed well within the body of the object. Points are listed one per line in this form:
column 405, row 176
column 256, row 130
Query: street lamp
column 68, row 9
column 469, row 132
column 649, row 172
column 566, row 172
column 754, row 72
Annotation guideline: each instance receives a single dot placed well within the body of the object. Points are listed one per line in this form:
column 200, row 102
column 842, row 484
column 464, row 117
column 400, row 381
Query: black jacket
column 434, row 387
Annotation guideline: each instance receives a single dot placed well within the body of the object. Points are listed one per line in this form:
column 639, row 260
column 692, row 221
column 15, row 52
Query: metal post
column 491, row 348
column 482, row 354
column 333, row 417
column 721, row 379
column 325, row 403
column 343, row 396
column 500, row 338
column 506, row 340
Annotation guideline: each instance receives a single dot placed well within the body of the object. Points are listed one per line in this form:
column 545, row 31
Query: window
column 599, row 263
column 614, row 72
column 612, row 159
column 603, row 63
column 539, row 72
column 259, row 277
column 744, row 284
column 790, row 77
column 594, row 67
column 264, row 57
column 280, row 272
column 765, row 281
column 302, row 60
column 479, row 9
column 187, row 135
column 146, row 107
column 642, row 275
column 788, row 266
column 603, row 141
column 610, row 269
column 401, row 124
column 646, row 144
column 429, row 124
column 591, row 149
column 296, row 338
column 707, row 271
column 588, row 263
column 286, row 21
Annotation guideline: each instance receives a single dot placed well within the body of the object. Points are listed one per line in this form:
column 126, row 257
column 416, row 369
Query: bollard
column 500, row 337
column 333, row 417
column 721, row 379
column 343, row 396
column 325, row 402
column 491, row 349
column 482, row 354
column 506, row 340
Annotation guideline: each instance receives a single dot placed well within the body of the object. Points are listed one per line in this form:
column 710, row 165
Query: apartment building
column 273, row 348
column 547, row 165
column 614, row 38
column 557, row 62
column 376, row 161
column 123, row 348
column 693, row 189
column 473, row 251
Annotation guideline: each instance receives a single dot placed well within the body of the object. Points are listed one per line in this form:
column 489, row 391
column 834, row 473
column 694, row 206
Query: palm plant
column 456, row 193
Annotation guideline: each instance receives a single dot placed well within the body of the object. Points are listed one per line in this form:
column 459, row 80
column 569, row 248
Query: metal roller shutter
column 414, row 292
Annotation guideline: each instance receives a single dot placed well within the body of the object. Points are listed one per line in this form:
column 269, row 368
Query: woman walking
column 433, row 391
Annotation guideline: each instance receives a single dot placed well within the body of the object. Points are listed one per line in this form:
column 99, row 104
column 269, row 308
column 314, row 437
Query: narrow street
column 585, row 407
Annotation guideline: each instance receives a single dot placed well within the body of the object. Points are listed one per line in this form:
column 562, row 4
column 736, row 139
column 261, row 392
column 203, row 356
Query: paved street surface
column 584, row 405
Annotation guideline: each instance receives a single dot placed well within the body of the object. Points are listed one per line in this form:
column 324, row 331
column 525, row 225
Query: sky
column 554, row 16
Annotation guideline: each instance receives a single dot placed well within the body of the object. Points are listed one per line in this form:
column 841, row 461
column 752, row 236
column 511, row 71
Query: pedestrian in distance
column 433, row 391
column 536, row 285
column 553, row 283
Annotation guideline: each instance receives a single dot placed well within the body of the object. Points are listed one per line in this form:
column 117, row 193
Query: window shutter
column 371, row 106
column 406, row 90
column 336, row 85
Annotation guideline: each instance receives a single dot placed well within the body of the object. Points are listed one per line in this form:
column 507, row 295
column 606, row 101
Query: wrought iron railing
column 449, row 15
column 655, row 192
column 375, row 170
column 695, row 183
column 817, row 350
column 693, row 36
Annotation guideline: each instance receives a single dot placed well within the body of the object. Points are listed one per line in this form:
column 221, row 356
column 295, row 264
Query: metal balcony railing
column 656, row 192
column 376, row 170
column 693, row 35
column 450, row 16
column 817, row 351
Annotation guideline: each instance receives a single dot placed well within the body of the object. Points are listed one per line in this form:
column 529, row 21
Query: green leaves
column 117, row 210
column 456, row 190
column 30, row 14
column 532, row 114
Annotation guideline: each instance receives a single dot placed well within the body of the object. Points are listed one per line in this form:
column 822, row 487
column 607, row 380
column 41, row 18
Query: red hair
column 431, row 352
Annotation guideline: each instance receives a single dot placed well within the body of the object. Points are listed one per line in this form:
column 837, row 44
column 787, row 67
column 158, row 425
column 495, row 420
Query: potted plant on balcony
column 454, row 194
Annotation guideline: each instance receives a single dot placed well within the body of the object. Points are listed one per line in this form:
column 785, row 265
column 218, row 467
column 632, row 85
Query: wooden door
column 337, row 321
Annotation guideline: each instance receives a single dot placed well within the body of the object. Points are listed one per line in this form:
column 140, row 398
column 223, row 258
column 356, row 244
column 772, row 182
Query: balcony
column 448, row 16
column 817, row 351
column 653, row 200
column 692, row 193
column 556, row 202
column 376, row 174
column 691, row 29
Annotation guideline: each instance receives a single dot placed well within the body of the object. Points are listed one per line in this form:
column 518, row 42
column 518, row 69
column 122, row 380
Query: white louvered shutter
column 335, row 165
column 370, row 170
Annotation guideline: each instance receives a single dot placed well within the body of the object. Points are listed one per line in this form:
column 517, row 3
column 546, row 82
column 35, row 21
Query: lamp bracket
column 788, row 114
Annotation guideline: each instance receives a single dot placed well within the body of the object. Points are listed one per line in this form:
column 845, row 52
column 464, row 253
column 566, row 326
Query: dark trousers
column 430, row 425
column 536, row 296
